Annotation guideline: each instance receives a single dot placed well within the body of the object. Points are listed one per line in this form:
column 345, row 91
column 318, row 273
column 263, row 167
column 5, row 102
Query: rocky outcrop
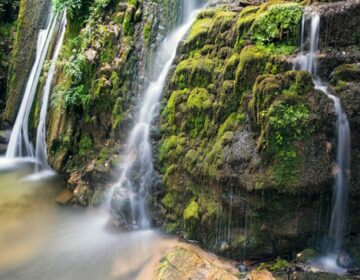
column 181, row 263
column 104, row 66
column 32, row 17
column 247, row 150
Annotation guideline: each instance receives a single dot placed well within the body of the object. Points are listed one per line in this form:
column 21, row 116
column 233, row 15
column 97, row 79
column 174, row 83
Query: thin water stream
column 40, row 149
column 19, row 143
column 137, row 167
column 307, row 61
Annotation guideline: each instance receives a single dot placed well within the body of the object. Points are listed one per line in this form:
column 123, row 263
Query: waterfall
column 308, row 61
column 19, row 143
column 137, row 166
column 40, row 151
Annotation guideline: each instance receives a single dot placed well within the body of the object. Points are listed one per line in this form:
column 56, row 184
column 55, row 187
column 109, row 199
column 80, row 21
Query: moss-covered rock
column 239, row 141
column 102, row 69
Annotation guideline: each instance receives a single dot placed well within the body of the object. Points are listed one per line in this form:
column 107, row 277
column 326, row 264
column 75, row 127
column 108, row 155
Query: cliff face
column 32, row 17
column 8, row 16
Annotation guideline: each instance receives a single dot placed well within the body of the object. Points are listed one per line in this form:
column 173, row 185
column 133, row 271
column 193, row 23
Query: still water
column 42, row 240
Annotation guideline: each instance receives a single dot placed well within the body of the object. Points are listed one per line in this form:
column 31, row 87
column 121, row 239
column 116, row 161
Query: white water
column 308, row 61
column 19, row 143
column 138, row 159
column 40, row 151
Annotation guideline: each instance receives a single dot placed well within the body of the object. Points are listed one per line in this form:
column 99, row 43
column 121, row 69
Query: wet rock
column 339, row 20
column 331, row 58
column 306, row 255
column 90, row 55
column 344, row 260
column 98, row 198
column 122, row 206
column 183, row 264
column 83, row 193
column 65, row 197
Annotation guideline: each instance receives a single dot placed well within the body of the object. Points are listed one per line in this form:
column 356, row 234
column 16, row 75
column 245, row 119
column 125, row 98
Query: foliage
column 8, row 10
column 71, row 6
column 278, row 23
column 85, row 145
column 73, row 95
column 289, row 121
column 280, row 264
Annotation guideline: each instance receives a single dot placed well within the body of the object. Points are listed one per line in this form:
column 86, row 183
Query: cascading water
column 308, row 61
column 40, row 151
column 19, row 143
column 137, row 167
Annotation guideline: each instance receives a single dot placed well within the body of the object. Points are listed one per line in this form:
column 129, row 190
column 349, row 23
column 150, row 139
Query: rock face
column 338, row 22
column 247, row 149
column 345, row 83
column 104, row 66
column 32, row 17
column 8, row 14
column 182, row 264
column 244, row 146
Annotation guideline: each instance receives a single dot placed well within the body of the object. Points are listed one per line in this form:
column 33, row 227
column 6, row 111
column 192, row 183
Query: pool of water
column 42, row 240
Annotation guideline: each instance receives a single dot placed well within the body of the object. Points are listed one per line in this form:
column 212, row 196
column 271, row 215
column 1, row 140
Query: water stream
column 307, row 61
column 19, row 143
column 137, row 167
column 40, row 150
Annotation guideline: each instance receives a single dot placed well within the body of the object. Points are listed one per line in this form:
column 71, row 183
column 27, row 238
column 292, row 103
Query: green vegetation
column 279, row 23
column 71, row 6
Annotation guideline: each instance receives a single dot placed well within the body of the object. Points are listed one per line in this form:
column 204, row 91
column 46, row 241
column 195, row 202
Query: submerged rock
column 65, row 197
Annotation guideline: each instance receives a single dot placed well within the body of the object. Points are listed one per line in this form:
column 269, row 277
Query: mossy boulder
column 240, row 142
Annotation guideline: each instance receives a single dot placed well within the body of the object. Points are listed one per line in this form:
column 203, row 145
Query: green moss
column 147, row 32
column 128, row 18
column 191, row 212
column 172, row 148
column 306, row 255
column 280, row 264
column 199, row 100
column 252, row 62
column 85, row 146
column 231, row 123
column 346, row 73
column 279, row 23
column 198, row 32
column 230, row 67
column 192, row 73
